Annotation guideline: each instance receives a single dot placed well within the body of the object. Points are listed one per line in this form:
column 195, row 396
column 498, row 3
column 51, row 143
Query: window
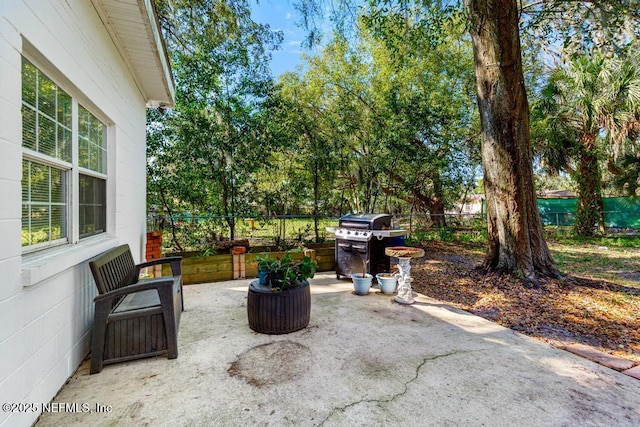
column 44, row 206
column 51, row 166
column 92, row 206
column 92, row 159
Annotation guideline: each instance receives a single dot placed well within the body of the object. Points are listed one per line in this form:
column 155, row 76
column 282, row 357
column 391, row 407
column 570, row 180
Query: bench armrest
column 175, row 261
column 140, row 286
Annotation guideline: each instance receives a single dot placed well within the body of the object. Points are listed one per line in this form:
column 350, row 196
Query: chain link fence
column 202, row 232
column 186, row 232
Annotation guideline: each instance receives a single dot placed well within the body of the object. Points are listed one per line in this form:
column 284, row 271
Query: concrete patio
column 363, row 360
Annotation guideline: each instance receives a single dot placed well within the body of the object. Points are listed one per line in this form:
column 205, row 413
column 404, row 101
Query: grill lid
column 366, row 221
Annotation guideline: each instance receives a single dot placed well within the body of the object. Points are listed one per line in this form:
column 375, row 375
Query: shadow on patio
column 363, row 360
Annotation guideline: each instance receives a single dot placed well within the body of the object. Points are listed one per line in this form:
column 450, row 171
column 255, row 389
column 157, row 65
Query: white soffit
column 134, row 28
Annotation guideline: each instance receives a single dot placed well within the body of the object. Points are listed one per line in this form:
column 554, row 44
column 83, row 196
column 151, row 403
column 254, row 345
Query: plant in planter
column 265, row 265
column 387, row 282
column 362, row 281
column 283, row 305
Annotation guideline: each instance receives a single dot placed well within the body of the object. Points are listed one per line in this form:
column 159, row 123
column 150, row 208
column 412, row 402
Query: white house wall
column 46, row 310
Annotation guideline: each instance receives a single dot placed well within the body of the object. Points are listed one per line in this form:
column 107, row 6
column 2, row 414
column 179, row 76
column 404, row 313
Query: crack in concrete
column 381, row 401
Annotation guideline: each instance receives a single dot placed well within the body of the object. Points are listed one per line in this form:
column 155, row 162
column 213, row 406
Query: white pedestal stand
column 404, row 255
column 405, row 293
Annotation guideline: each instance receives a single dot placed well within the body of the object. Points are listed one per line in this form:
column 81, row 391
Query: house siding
column 45, row 327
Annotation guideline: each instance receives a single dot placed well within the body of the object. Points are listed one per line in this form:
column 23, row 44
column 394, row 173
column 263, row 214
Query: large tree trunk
column 516, row 236
column 316, row 198
column 589, row 211
column 437, row 210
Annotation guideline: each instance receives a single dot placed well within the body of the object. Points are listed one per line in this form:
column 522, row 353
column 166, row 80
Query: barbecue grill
column 361, row 238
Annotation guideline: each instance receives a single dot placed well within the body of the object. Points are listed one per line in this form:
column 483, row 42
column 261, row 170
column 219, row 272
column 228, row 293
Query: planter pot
column 263, row 277
column 387, row 284
column 276, row 278
column 278, row 312
column 361, row 284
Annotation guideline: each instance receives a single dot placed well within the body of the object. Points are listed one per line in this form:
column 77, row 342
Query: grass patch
column 616, row 260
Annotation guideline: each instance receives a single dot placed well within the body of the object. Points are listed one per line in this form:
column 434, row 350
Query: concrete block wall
column 46, row 300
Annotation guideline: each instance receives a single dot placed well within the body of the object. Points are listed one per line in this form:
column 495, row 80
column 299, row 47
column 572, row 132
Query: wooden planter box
column 278, row 312
column 218, row 268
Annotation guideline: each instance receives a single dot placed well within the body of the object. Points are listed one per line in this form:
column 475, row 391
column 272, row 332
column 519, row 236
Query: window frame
column 67, row 172
column 72, row 169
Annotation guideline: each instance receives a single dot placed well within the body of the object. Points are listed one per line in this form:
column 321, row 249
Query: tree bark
column 589, row 211
column 316, row 198
column 424, row 203
column 437, row 210
column 516, row 237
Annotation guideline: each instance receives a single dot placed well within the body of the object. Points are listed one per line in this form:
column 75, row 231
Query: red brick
column 633, row 372
column 608, row 360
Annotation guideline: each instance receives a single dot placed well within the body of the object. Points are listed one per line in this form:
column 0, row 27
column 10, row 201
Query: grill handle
column 348, row 247
column 360, row 248
column 356, row 225
column 345, row 247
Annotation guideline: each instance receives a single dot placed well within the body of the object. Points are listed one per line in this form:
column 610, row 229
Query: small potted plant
column 387, row 282
column 283, row 305
column 362, row 281
column 265, row 264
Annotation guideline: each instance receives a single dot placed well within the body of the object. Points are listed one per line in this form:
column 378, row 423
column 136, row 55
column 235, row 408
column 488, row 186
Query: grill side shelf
column 389, row 233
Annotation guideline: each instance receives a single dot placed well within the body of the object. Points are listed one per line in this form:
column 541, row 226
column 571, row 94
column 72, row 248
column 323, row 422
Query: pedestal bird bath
column 404, row 255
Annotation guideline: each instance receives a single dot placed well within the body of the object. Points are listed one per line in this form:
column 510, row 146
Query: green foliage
column 383, row 118
column 200, row 155
column 285, row 273
column 395, row 134
column 475, row 235
column 627, row 174
column 576, row 27
column 358, row 131
column 266, row 263
column 622, row 242
column 587, row 112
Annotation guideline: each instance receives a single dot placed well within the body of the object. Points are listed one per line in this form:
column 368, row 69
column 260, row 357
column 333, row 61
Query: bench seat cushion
column 138, row 300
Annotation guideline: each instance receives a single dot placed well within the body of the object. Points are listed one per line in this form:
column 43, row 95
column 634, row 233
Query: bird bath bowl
column 404, row 255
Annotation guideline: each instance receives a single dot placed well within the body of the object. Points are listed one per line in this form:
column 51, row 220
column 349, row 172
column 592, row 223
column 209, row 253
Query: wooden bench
column 134, row 318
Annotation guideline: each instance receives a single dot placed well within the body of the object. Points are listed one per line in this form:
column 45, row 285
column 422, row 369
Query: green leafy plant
column 265, row 263
column 285, row 273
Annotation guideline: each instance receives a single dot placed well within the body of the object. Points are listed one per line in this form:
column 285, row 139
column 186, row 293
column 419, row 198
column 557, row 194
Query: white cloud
column 288, row 16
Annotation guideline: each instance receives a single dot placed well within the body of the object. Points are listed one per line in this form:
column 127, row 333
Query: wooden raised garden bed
column 217, row 268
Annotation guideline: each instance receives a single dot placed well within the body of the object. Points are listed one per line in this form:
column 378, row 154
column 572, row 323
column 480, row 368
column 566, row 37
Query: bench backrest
column 113, row 269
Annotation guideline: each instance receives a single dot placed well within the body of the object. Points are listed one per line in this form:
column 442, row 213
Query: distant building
column 471, row 205
column 556, row 194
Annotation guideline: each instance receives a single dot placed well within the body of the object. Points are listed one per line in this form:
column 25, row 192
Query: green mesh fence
column 622, row 212
column 619, row 212
column 560, row 212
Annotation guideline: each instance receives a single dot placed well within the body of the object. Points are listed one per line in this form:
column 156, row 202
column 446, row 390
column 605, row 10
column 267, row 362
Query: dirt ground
column 596, row 303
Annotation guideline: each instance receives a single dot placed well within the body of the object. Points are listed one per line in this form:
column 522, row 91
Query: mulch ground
column 567, row 310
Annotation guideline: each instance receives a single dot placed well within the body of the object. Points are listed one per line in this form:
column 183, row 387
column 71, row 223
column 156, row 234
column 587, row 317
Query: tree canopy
column 385, row 115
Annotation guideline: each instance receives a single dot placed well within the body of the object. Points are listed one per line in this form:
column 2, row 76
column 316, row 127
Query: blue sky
column 281, row 15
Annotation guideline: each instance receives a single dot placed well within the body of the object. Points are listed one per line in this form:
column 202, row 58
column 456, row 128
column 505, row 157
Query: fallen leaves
column 591, row 311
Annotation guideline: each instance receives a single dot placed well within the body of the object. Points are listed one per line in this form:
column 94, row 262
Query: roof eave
column 134, row 28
